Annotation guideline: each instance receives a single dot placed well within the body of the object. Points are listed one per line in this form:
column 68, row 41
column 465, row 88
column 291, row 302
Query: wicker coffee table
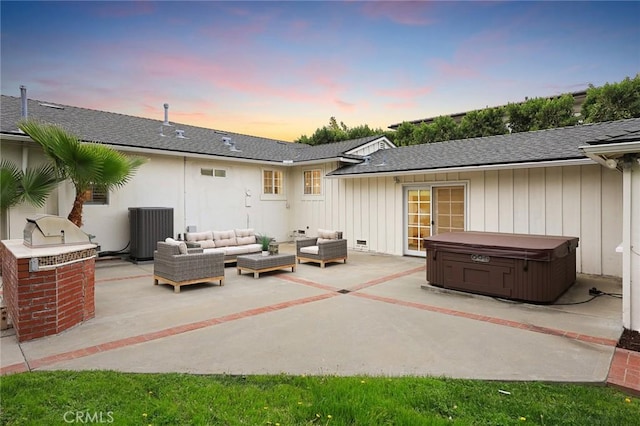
column 258, row 263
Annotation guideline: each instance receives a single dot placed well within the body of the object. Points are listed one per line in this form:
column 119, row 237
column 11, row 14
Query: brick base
column 52, row 299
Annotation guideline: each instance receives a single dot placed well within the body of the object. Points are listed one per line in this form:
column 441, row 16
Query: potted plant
column 264, row 241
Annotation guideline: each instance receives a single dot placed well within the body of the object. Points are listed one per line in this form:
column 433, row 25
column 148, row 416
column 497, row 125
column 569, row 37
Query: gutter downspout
column 626, row 249
column 24, row 114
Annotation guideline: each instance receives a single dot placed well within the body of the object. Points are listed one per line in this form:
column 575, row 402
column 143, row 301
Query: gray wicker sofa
column 178, row 265
column 231, row 243
column 328, row 246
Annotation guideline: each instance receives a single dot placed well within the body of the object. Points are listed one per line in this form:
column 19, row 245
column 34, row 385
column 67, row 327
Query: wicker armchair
column 321, row 250
column 172, row 267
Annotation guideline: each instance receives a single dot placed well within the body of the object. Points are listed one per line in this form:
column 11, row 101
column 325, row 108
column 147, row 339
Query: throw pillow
column 327, row 235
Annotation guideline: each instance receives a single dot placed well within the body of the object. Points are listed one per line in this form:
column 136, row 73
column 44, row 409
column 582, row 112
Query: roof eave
column 461, row 169
column 602, row 153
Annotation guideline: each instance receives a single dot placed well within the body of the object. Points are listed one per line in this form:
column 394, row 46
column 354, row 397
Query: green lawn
column 64, row 397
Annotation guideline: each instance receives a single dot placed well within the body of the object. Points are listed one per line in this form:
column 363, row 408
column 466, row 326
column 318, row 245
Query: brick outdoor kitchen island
column 48, row 288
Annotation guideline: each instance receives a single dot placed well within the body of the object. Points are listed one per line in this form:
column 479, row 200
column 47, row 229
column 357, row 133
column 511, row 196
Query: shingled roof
column 527, row 147
column 144, row 133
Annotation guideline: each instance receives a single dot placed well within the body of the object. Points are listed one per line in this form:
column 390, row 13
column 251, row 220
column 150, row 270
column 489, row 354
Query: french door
column 432, row 210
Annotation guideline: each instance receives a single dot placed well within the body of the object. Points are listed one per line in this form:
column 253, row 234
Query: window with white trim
column 312, row 182
column 96, row 196
column 272, row 182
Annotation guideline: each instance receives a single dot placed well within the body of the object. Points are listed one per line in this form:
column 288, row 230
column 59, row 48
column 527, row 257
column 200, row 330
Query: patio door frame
column 429, row 186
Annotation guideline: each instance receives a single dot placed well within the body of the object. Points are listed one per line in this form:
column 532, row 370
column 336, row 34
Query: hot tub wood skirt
column 539, row 282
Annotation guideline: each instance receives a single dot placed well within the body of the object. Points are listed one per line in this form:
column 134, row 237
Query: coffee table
column 258, row 263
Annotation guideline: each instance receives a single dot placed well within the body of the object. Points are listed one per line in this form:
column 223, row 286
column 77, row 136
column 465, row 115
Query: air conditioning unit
column 148, row 225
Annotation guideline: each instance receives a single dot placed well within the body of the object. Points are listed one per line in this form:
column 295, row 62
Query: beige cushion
column 225, row 238
column 182, row 246
column 243, row 241
column 207, row 243
column 245, row 236
column 195, row 237
column 213, row 250
column 245, row 232
column 327, row 235
column 309, row 249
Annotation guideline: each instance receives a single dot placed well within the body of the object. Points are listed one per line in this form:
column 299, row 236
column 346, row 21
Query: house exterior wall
column 208, row 202
column 13, row 221
column 583, row 201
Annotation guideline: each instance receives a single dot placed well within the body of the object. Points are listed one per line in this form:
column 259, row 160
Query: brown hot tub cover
column 536, row 268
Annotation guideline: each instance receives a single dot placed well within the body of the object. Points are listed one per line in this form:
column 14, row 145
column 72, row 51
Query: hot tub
column 532, row 268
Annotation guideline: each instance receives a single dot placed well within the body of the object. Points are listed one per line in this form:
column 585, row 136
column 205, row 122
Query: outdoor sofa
column 328, row 246
column 175, row 264
column 230, row 243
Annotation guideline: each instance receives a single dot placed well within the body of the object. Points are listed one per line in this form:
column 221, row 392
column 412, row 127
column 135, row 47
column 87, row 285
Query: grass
column 56, row 397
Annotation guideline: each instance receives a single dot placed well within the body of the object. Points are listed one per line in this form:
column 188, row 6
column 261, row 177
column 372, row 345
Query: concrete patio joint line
column 493, row 320
column 168, row 332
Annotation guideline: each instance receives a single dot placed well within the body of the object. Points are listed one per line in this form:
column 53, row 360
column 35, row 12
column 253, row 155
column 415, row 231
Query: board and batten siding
column 583, row 201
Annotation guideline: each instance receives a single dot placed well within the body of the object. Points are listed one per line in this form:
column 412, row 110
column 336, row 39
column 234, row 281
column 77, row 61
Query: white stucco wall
column 209, row 203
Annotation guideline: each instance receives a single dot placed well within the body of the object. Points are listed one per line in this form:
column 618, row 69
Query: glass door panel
column 418, row 219
column 449, row 209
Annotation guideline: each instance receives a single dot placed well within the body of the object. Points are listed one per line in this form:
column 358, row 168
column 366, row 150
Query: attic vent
column 51, row 106
column 206, row 172
column 180, row 134
column 381, row 145
column 220, row 173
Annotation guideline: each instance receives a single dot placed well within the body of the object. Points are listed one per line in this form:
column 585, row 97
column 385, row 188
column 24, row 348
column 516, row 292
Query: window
column 272, row 182
column 212, row 172
column 97, row 196
column 312, row 182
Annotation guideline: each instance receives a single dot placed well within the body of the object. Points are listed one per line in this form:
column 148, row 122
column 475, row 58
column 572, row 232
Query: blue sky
column 282, row 69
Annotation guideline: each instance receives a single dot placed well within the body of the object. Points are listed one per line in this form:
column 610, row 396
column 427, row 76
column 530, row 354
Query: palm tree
column 32, row 185
column 87, row 165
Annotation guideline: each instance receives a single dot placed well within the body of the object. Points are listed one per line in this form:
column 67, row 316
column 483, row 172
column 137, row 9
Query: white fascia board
column 601, row 153
column 17, row 137
column 132, row 149
column 611, row 148
column 509, row 166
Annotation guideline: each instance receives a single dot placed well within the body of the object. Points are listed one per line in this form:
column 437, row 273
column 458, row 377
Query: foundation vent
column 361, row 245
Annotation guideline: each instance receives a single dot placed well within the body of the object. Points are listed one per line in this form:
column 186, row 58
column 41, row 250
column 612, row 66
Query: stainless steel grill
column 48, row 230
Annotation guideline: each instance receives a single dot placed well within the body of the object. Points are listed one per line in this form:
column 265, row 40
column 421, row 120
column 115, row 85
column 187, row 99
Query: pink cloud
column 406, row 93
column 345, row 106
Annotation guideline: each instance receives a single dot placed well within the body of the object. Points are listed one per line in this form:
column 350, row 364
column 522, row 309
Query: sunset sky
column 282, row 69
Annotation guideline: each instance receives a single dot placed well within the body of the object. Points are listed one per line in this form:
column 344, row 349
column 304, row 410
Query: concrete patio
column 374, row 315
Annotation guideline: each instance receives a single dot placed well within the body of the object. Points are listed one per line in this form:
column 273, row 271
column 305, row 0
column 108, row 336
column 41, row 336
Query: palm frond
column 38, row 183
column 10, row 176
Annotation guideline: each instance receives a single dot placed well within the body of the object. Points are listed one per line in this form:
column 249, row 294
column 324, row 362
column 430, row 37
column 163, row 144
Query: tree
column 404, row 134
column 555, row 113
column 32, row 186
column 86, row 165
column 615, row 101
column 483, row 122
column 444, row 128
column 335, row 132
